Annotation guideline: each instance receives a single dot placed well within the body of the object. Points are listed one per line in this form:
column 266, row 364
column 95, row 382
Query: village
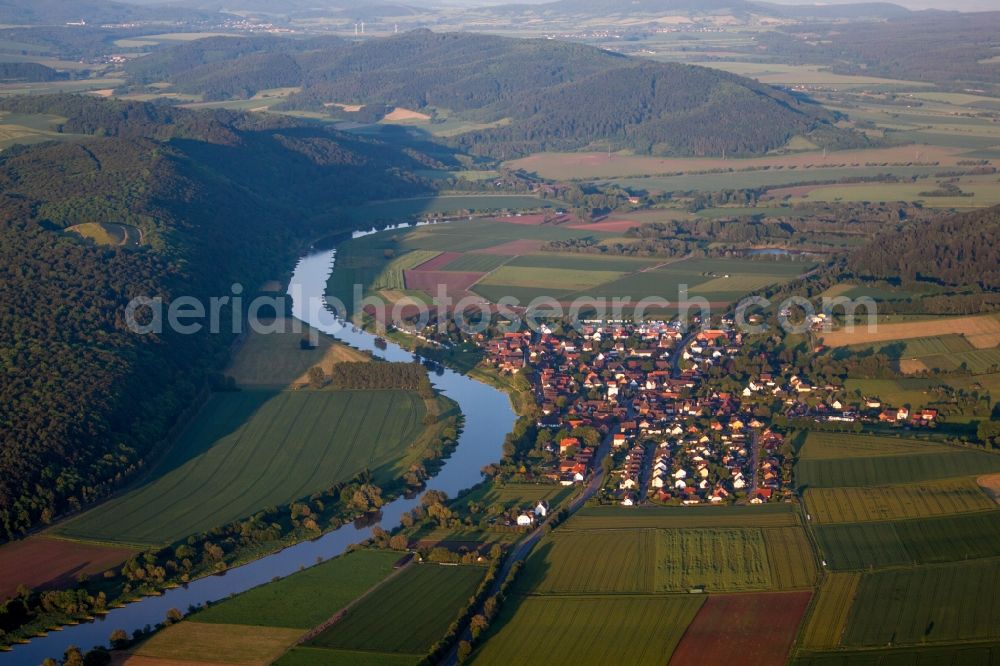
column 678, row 433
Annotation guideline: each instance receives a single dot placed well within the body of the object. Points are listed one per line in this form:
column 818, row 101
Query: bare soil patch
column 759, row 628
column 429, row 280
column 399, row 114
column 41, row 562
column 991, row 486
column 438, row 262
column 911, row 366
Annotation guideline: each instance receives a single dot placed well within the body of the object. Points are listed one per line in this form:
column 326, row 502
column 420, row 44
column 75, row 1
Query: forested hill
column 959, row 250
column 658, row 109
column 543, row 94
column 219, row 198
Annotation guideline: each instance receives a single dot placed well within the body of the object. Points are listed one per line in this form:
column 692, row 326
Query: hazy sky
column 960, row 5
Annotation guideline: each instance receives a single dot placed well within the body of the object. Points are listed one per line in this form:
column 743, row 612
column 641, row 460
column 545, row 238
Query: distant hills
column 60, row 12
column 539, row 94
column 703, row 7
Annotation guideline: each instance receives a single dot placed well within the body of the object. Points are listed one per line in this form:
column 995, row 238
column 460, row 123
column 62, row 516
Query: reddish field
column 438, row 262
column 429, row 280
column 40, row 562
column 754, row 629
column 512, row 249
column 611, row 226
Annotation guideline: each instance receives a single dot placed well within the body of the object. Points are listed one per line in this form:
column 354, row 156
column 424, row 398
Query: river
column 488, row 417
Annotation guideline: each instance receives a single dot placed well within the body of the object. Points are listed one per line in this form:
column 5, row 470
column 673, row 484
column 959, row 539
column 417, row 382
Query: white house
column 541, row 510
column 525, row 520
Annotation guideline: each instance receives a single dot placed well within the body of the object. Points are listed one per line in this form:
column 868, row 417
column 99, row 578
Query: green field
column 716, row 559
column 391, row 275
column 481, row 234
column 252, row 449
column 926, row 605
column 893, row 469
column 516, row 494
column 581, row 262
column 567, row 280
column 615, row 517
column 523, row 295
column 944, row 352
column 589, row 630
column 717, row 280
column 194, row 642
column 913, row 391
column 917, row 347
column 408, row 614
column 830, row 611
column 277, row 360
column 916, row 500
column 377, row 262
column 941, row 344
column 833, row 446
column 363, row 261
column 878, row 293
column 307, row 598
column 712, row 182
column 593, row 562
column 985, row 193
column 645, row 561
column 472, row 537
column 859, row 546
column 975, row 360
column 959, row 654
column 790, row 557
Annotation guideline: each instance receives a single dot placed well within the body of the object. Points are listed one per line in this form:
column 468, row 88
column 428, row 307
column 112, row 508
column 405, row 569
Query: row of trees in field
column 381, row 375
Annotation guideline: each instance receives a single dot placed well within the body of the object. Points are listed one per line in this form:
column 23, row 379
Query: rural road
column 524, row 547
column 675, row 361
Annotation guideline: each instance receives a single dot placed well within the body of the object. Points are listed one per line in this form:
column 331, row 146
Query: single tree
column 317, row 378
